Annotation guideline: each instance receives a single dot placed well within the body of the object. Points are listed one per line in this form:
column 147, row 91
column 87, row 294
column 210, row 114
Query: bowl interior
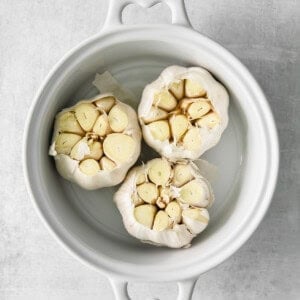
column 88, row 221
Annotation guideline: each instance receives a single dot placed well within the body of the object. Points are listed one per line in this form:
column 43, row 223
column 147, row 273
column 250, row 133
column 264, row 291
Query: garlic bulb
column 164, row 203
column 183, row 113
column 96, row 141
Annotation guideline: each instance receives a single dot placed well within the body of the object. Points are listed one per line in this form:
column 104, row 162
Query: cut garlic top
column 165, row 203
column 183, row 113
column 96, row 141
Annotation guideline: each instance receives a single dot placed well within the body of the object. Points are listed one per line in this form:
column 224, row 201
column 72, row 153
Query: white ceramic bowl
column 87, row 222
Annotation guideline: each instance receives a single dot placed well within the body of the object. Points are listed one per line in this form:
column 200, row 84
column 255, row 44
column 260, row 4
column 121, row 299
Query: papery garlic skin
column 182, row 228
column 209, row 135
column 115, row 172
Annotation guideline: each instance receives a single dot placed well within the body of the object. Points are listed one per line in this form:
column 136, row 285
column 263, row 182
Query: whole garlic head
column 183, row 112
column 164, row 203
column 96, row 141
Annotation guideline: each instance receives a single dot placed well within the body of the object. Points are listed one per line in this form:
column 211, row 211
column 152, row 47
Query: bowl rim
column 125, row 270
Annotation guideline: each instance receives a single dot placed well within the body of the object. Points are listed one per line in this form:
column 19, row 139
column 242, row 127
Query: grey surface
column 35, row 34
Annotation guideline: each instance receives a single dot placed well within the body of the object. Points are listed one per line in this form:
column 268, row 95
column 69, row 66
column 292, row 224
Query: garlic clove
column 89, row 167
column 119, row 147
column 159, row 171
column 145, row 214
column 198, row 109
column 191, row 140
column 182, row 175
column 208, row 121
column 165, row 100
column 65, row 142
column 196, row 219
column 86, row 114
column 177, row 89
column 86, row 149
column 195, row 214
column 148, row 192
column 155, row 114
column 173, row 210
column 136, row 200
column 66, row 122
column 141, row 178
column 106, row 164
column 179, row 125
column 80, row 149
column 161, row 221
column 101, row 126
column 160, row 130
column 96, row 150
column 192, row 193
column 118, row 119
column 193, row 89
column 105, row 103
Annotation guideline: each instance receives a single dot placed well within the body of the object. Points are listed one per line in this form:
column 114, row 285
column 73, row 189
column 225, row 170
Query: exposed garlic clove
column 165, row 100
column 208, row 121
column 145, row 214
column 155, row 114
column 65, row 142
column 160, row 130
column 148, row 192
column 182, row 174
column 66, row 122
column 83, row 150
column 161, row 221
column 136, row 200
column 191, row 140
column 141, row 178
column 80, row 149
column 96, row 150
column 105, row 103
column 159, row 171
column 117, row 118
column 198, row 109
column 107, row 164
column 193, row 89
column 101, row 126
column 86, row 114
column 177, row 89
column 179, row 125
column 196, row 219
column 119, row 147
column 196, row 214
column 89, row 167
column 173, row 210
column 192, row 193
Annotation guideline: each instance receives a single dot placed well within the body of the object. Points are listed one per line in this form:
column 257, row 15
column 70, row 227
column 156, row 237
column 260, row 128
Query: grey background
column 34, row 34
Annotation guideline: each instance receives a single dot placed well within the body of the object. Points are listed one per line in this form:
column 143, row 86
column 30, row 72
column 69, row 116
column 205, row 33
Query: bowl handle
column 120, row 288
column 185, row 289
column 116, row 7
